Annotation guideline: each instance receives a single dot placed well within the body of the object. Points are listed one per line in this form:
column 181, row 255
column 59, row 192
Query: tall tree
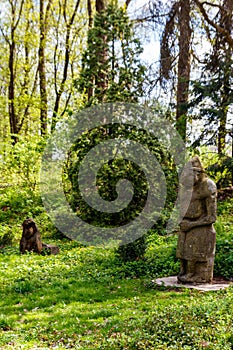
column 224, row 31
column 43, row 14
column 214, row 89
column 223, row 52
column 178, row 24
column 111, row 68
column 182, row 90
column 101, row 79
column 16, row 9
column 69, row 23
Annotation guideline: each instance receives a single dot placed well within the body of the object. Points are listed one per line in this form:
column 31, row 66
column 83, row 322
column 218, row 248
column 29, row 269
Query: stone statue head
column 193, row 173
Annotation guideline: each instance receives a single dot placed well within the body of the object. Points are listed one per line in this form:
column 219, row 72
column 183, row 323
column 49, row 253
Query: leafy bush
column 223, row 265
column 108, row 177
column 20, row 164
column 132, row 251
column 218, row 167
column 6, row 236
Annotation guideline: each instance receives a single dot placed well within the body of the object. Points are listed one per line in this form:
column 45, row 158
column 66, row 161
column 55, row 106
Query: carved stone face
column 191, row 177
column 197, row 176
column 28, row 223
column 193, row 173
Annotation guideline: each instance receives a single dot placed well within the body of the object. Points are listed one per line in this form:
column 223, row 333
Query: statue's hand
column 185, row 226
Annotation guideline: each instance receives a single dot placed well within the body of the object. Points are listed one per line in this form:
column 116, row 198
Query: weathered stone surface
column 50, row 249
column 205, row 287
column 196, row 239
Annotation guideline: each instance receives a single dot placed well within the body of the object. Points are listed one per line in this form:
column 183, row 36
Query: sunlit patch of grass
column 78, row 300
column 85, row 298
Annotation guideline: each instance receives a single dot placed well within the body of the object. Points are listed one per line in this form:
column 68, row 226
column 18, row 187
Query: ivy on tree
column 111, row 67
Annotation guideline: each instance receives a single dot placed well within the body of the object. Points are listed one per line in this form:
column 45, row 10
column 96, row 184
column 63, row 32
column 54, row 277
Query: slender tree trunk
column 102, row 79
column 90, row 14
column 90, row 25
column 226, row 34
column 224, row 106
column 11, row 92
column 66, row 63
column 13, row 116
column 42, row 73
column 100, row 5
column 183, row 67
column 226, row 24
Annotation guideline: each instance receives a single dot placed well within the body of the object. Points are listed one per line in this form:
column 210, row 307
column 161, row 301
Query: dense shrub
column 108, row 177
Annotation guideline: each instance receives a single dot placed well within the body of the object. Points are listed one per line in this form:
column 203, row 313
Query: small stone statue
column 30, row 240
column 197, row 237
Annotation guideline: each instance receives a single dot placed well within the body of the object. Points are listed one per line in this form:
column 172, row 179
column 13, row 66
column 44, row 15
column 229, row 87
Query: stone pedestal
column 172, row 281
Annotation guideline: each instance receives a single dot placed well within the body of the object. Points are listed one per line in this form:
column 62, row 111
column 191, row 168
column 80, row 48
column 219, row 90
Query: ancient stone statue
column 30, row 240
column 196, row 239
column 50, row 249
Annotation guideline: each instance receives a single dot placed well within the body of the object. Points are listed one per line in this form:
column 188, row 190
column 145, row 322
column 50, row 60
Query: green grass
column 80, row 299
column 86, row 298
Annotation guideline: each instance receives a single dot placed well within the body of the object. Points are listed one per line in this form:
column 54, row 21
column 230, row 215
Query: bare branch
column 5, row 36
column 127, row 2
column 66, row 61
column 212, row 4
column 74, row 13
column 20, row 12
column 90, row 13
column 218, row 28
column 47, row 16
column 64, row 11
column 166, row 57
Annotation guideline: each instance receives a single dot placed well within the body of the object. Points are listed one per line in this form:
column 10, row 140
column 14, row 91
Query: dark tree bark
column 183, row 67
column 11, row 92
column 42, row 74
column 60, row 91
column 221, row 30
column 102, row 78
column 13, row 116
column 100, row 5
column 44, row 14
column 90, row 14
column 225, row 50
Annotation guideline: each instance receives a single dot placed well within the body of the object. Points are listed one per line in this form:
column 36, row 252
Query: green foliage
column 6, row 236
column 218, row 166
column 161, row 255
column 20, row 164
column 222, row 171
column 88, row 298
column 111, row 68
column 16, row 204
column 223, row 265
column 108, row 177
column 84, row 298
column 212, row 97
column 132, row 251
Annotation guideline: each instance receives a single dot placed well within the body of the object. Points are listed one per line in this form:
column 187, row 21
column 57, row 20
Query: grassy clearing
column 86, row 298
column 81, row 300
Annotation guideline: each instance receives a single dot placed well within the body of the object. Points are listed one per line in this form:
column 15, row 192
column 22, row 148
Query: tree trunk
column 226, row 23
column 11, row 92
column 42, row 73
column 90, row 14
column 100, row 5
column 66, row 63
column 183, row 67
column 102, row 78
column 13, row 116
